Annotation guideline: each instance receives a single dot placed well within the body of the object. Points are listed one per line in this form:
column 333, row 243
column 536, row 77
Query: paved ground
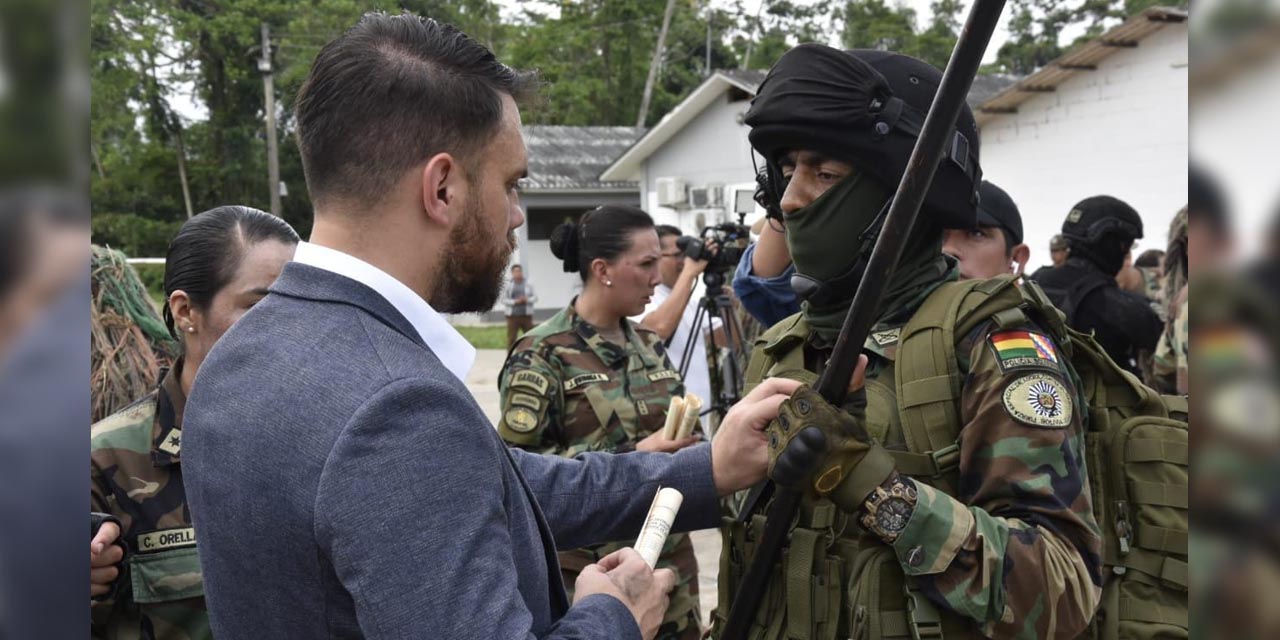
column 483, row 383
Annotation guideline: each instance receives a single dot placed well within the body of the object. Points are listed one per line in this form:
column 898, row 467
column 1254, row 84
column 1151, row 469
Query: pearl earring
column 608, row 283
column 191, row 329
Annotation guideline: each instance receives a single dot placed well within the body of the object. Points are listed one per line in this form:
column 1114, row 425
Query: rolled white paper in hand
column 675, row 413
column 692, row 411
column 666, row 504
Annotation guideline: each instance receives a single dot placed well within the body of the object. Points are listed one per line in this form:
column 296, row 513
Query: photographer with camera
column 673, row 309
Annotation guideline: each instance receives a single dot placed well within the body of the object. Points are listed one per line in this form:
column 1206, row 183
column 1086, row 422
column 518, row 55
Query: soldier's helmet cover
column 865, row 107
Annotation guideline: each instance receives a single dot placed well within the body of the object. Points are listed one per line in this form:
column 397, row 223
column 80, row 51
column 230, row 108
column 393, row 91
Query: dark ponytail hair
column 603, row 232
column 205, row 254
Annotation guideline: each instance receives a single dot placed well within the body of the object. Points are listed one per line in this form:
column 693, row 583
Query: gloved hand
column 814, row 446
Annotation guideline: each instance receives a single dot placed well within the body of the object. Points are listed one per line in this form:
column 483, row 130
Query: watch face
column 892, row 516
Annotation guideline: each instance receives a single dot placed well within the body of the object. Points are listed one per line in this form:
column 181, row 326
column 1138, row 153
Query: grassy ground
column 485, row 337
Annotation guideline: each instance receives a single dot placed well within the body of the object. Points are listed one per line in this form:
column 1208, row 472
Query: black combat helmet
column 1102, row 229
column 1098, row 216
column 865, row 107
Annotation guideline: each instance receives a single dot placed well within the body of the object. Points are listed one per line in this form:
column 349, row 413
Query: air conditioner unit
column 705, row 197
column 671, row 192
column 699, row 198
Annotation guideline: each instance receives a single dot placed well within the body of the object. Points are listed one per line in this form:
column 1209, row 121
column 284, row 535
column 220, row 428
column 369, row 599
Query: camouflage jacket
column 1170, row 365
column 1012, row 549
column 135, row 475
column 565, row 391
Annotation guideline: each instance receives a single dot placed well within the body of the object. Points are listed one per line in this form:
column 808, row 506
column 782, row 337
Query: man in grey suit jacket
column 342, row 481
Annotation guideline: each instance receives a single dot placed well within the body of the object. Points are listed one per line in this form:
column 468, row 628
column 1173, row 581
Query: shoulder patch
column 586, row 378
column 1023, row 350
column 1039, row 400
column 525, row 400
column 531, row 380
column 520, row 420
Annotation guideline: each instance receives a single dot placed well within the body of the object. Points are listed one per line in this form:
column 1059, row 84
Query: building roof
column 563, row 158
column 1082, row 59
column 627, row 166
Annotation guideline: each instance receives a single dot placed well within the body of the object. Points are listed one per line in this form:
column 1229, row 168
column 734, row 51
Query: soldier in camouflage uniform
column 218, row 266
column 1171, row 360
column 570, row 386
column 896, row 537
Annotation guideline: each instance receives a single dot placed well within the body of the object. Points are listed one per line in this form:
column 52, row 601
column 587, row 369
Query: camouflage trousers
column 683, row 620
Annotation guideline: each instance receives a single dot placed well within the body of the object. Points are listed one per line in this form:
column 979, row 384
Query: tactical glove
column 814, row 446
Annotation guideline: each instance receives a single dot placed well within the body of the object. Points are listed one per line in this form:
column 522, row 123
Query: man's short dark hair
column 1149, row 258
column 391, row 92
column 516, row 266
column 665, row 230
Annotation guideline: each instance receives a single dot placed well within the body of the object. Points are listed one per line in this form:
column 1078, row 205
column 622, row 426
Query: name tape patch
column 166, row 539
column 586, row 378
column 665, row 374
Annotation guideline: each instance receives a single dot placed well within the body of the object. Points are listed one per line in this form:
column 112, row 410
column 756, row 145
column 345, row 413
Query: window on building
column 542, row 220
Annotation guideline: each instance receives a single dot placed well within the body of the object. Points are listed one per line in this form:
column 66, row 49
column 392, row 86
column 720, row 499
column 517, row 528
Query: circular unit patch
column 521, row 420
column 1039, row 400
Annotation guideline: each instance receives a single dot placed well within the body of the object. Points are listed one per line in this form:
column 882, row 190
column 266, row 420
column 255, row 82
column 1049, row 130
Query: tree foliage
column 170, row 74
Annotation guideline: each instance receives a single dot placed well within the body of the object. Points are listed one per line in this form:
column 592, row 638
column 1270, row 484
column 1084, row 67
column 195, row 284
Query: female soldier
column 589, row 379
column 218, row 266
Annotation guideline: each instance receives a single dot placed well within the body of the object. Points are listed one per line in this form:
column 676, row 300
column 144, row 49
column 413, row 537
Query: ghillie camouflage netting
column 127, row 338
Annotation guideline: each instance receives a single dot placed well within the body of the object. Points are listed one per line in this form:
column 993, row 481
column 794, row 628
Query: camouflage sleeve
column 531, row 402
column 1019, row 550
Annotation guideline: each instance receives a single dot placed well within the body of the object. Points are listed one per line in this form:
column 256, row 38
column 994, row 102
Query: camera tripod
column 726, row 385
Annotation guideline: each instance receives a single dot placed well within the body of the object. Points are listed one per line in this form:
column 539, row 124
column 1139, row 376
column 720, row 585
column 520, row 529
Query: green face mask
column 824, row 237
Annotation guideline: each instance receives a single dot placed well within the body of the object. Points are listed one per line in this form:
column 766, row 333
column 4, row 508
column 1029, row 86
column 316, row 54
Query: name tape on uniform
column 166, row 539
column 665, row 374
column 586, row 378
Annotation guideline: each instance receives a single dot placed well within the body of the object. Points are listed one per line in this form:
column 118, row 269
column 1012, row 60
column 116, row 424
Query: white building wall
column 1120, row 130
column 711, row 149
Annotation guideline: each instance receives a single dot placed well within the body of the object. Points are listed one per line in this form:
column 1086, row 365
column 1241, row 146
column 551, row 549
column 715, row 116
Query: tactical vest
column 836, row 581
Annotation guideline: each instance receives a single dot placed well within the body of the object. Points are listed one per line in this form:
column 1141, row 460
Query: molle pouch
column 1145, row 513
column 813, row 573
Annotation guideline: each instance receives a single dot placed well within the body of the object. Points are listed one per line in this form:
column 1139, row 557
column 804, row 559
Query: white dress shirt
column 449, row 346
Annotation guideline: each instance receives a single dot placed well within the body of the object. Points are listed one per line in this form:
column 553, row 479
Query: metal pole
column 269, row 93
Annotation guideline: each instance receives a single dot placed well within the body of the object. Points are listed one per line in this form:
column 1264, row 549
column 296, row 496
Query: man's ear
column 1021, row 254
column 442, row 182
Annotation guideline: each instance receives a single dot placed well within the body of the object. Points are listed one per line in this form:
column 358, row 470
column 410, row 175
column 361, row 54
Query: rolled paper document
column 658, row 524
column 692, row 409
column 675, row 414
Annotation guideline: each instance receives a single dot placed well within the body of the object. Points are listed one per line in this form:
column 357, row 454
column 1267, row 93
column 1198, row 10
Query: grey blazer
column 344, row 484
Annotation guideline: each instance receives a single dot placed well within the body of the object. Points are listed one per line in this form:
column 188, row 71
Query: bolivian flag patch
column 1023, row 350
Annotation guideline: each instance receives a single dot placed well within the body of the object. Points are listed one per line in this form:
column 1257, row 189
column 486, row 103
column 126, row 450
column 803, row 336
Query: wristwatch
column 888, row 508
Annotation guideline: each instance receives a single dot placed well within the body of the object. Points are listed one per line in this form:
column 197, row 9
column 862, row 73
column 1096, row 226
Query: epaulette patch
column 1024, row 350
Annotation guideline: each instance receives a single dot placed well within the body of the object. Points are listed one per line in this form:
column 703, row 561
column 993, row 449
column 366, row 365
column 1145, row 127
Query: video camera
column 732, row 239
